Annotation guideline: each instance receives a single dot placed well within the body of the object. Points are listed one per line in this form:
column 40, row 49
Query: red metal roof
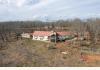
column 42, row 33
column 49, row 33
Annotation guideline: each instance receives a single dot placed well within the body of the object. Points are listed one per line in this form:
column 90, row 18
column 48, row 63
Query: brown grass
column 31, row 53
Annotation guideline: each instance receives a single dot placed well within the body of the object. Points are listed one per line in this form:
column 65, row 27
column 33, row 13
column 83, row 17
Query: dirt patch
column 90, row 58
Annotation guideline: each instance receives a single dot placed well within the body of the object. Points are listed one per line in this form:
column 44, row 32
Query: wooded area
column 12, row 30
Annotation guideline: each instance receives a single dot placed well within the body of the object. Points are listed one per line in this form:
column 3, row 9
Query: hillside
column 37, row 54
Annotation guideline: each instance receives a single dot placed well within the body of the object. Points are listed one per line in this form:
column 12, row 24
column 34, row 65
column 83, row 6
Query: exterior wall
column 41, row 38
column 25, row 35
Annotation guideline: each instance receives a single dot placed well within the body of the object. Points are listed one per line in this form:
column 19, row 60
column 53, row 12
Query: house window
column 41, row 38
column 35, row 37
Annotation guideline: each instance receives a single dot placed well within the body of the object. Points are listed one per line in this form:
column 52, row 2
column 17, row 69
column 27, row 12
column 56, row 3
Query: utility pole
column 55, row 38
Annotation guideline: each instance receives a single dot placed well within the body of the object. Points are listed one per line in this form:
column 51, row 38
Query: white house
column 50, row 35
column 42, row 35
column 25, row 35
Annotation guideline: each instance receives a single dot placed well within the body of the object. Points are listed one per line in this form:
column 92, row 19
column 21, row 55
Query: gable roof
column 42, row 33
column 49, row 33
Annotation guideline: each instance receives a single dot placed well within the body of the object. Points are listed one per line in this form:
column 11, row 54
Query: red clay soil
column 90, row 58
